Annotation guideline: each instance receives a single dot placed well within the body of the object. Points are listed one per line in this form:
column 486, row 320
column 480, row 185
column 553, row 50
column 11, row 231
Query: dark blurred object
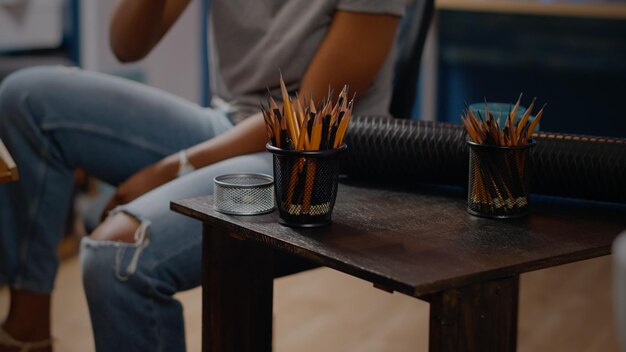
column 392, row 150
column 577, row 64
column 13, row 62
column 413, row 30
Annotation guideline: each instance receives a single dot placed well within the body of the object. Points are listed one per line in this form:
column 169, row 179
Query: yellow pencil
column 288, row 110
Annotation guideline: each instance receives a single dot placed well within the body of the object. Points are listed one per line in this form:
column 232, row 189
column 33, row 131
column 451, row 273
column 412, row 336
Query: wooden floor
column 567, row 308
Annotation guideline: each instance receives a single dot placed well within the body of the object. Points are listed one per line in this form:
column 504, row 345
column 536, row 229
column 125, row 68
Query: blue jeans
column 56, row 119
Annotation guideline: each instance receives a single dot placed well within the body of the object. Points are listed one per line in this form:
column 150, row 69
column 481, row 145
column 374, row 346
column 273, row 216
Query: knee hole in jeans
column 120, row 227
column 127, row 236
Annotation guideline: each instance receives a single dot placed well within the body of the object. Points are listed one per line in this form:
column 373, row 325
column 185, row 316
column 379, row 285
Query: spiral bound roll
column 565, row 165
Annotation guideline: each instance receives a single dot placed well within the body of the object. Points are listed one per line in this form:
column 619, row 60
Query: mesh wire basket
column 306, row 185
column 243, row 194
column 498, row 181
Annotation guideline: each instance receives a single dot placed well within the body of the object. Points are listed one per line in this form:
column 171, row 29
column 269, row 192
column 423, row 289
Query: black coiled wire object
column 405, row 151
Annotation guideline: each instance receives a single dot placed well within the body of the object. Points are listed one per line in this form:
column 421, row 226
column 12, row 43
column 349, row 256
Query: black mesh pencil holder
column 305, row 185
column 498, row 180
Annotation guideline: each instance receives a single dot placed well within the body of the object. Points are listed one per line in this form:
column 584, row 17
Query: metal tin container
column 244, row 194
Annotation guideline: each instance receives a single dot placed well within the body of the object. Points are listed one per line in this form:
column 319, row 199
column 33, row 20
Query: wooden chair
column 8, row 170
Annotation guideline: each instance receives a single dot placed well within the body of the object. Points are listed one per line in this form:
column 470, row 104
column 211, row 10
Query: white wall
column 173, row 66
column 32, row 24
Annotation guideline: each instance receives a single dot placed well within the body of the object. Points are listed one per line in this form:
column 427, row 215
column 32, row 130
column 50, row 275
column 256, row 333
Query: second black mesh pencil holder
column 498, row 180
column 305, row 185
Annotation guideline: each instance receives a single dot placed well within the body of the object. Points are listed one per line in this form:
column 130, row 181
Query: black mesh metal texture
column 498, row 181
column 305, row 185
column 386, row 149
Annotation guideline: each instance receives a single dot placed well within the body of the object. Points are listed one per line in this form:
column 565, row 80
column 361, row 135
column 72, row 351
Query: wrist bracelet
column 184, row 167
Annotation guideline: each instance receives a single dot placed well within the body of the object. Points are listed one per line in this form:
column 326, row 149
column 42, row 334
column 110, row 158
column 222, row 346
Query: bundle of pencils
column 498, row 177
column 486, row 129
column 301, row 125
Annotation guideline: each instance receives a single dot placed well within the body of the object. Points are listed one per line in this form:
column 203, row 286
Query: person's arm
column 138, row 25
column 352, row 52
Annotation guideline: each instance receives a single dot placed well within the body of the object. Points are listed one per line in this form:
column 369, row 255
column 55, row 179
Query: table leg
column 237, row 293
column 478, row 317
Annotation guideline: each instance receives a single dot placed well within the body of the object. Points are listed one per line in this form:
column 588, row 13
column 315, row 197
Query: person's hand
column 143, row 181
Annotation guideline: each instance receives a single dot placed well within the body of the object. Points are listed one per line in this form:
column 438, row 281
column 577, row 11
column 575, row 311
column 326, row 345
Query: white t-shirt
column 251, row 40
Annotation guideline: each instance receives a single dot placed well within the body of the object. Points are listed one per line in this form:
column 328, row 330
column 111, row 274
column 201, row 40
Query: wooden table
column 420, row 243
column 8, row 170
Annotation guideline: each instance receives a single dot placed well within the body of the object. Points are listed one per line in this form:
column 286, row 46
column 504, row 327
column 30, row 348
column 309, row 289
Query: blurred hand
column 142, row 182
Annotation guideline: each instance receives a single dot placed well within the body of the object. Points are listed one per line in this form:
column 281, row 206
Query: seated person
column 149, row 143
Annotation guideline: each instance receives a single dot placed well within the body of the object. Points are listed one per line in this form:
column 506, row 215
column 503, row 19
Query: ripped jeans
column 54, row 120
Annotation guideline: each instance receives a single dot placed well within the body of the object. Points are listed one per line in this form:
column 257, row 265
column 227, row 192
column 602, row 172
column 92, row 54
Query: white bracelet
column 184, row 167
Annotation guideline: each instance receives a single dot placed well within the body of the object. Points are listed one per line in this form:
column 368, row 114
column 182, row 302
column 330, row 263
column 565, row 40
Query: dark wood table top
column 424, row 241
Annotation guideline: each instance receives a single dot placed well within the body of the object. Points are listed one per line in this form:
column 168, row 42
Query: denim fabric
column 129, row 287
column 53, row 120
